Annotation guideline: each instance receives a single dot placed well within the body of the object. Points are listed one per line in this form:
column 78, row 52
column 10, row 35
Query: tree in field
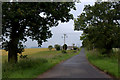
column 100, row 25
column 73, row 45
column 50, row 47
column 33, row 20
column 65, row 46
column 57, row 47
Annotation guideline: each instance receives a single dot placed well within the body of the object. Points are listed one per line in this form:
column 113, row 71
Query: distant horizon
column 47, row 47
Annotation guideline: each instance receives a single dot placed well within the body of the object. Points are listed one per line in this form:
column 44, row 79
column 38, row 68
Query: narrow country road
column 75, row 67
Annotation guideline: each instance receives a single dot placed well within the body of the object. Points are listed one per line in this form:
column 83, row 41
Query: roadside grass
column 35, row 65
column 107, row 64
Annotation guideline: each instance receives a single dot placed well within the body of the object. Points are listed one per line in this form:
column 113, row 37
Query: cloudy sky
column 64, row 28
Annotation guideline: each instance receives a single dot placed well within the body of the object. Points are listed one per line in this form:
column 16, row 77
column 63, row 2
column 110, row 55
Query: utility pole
column 64, row 36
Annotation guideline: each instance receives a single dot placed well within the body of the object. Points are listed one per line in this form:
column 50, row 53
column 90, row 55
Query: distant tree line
column 62, row 48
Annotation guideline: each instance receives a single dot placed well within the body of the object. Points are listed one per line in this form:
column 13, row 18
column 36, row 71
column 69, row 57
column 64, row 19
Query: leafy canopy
column 57, row 47
column 65, row 47
column 33, row 20
column 100, row 25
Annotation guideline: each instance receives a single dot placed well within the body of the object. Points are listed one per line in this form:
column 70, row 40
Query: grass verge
column 107, row 64
column 35, row 65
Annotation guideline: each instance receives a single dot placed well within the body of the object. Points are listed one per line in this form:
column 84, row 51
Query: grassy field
column 28, row 51
column 36, row 64
column 107, row 64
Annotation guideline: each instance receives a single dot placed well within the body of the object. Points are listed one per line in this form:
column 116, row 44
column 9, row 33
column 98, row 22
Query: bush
column 57, row 47
column 50, row 47
column 78, row 48
column 115, row 53
column 75, row 48
column 105, row 51
column 23, row 56
column 74, row 51
column 64, row 51
column 65, row 46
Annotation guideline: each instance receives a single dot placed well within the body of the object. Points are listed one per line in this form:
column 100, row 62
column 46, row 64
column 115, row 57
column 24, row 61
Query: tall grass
column 35, row 65
column 21, row 65
column 108, row 64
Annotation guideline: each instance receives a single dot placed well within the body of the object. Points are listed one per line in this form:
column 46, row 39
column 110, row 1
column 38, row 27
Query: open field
column 107, row 64
column 36, row 64
column 27, row 51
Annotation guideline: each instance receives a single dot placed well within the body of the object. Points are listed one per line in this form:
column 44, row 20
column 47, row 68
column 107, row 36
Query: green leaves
column 50, row 47
column 99, row 25
column 21, row 20
column 57, row 47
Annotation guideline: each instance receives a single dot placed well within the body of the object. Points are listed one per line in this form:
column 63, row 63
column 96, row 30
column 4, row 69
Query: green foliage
column 65, row 46
column 20, row 21
column 75, row 48
column 57, row 47
column 74, row 51
column 29, row 22
column 50, row 47
column 63, row 51
column 21, row 65
column 103, row 62
column 23, row 56
column 34, row 66
column 73, row 44
column 100, row 25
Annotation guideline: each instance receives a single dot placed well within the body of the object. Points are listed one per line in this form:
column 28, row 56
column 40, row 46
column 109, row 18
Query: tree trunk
column 108, row 50
column 13, row 43
column 12, row 52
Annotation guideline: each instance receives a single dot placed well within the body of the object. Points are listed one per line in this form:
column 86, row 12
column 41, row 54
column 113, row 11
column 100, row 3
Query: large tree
column 33, row 20
column 100, row 25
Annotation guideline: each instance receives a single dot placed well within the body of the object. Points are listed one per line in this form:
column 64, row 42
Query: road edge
column 106, row 73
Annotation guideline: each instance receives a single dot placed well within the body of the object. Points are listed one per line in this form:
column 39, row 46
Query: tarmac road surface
column 75, row 67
